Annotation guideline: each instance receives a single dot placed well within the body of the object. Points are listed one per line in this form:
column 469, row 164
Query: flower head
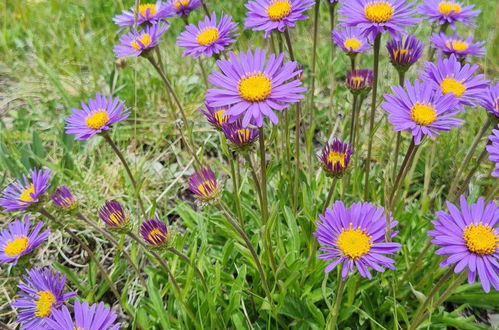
column 493, row 149
column 421, row 110
column 63, row 198
column 208, row 37
column 450, row 77
column 490, row 101
column 41, row 293
column 154, row 232
column 17, row 241
column 351, row 40
column 86, row 317
column 112, row 215
column 378, row 16
column 24, row 193
column 253, row 88
column 136, row 43
column 148, row 13
column 240, row 137
column 457, row 45
column 471, row 238
column 448, row 12
column 404, row 53
column 359, row 81
column 216, row 116
column 95, row 117
column 205, row 186
column 335, row 157
column 270, row 15
column 355, row 237
column 184, row 7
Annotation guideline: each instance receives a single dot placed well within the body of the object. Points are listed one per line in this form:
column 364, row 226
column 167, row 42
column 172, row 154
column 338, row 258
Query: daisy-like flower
column 449, row 76
column 95, row 117
column 269, row 15
column 216, row 116
column 240, row 137
column 378, row 16
column 148, row 13
column 490, row 101
column 208, row 37
column 335, row 157
column 113, row 216
column 421, row 110
column 404, row 53
column 154, row 232
column 86, row 317
column 351, row 40
column 205, row 186
column 493, row 149
column 355, row 237
column 457, row 45
column 136, row 43
column 254, row 88
column 184, row 7
column 63, row 198
column 41, row 293
column 24, row 193
column 448, row 12
column 359, row 81
column 17, row 241
column 470, row 236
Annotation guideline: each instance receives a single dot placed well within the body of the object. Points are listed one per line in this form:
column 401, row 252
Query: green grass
column 56, row 54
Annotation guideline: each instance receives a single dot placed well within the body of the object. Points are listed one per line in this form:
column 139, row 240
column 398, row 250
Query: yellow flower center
column 354, row 243
column 181, row 3
column 220, row 118
column 357, row 81
column 143, row 9
column 352, row 44
column 208, row 36
column 117, row 218
column 26, row 194
column 156, row 236
column 279, row 9
column 457, row 45
column 452, row 85
column 98, row 119
column 255, row 88
column 378, row 11
column 335, row 157
column 243, row 135
column 449, row 8
column 16, row 247
column 44, row 303
column 399, row 52
column 423, row 114
column 145, row 39
column 481, row 239
column 207, row 187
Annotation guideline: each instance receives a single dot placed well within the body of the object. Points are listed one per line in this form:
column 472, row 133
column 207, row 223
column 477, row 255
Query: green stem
column 467, row 180
column 330, row 193
column 399, row 134
column 314, row 59
column 332, row 6
column 354, row 114
column 289, row 44
column 405, row 164
column 352, row 60
column 203, row 72
column 337, row 304
column 205, row 8
column 255, row 180
column 236, row 188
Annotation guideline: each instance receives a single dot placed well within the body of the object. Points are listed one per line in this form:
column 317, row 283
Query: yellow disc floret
column 354, row 242
column 481, row 239
column 457, row 45
column 423, row 114
column 379, row 11
column 279, row 9
column 16, row 247
column 207, row 36
column 44, row 303
column 335, row 157
column 97, row 119
column 449, row 8
column 220, row 117
column 156, row 236
column 451, row 85
column 145, row 40
column 26, row 194
column 143, row 9
column 255, row 88
column 207, row 187
column 181, row 3
column 352, row 44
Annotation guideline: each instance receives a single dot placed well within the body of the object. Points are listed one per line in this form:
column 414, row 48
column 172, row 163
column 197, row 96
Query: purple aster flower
column 208, row 37
column 359, row 81
column 93, row 317
column 205, row 186
column 63, row 198
column 490, row 101
column 112, row 215
column 154, row 232
column 41, row 293
column 378, row 16
column 136, row 43
column 95, row 117
column 355, row 237
column 493, row 150
column 184, row 7
column 216, row 116
column 17, row 241
column 470, row 237
column 448, row 76
column 254, row 88
column 404, row 53
column 269, row 15
column 240, row 137
column 457, row 45
column 351, row 40
column 335, row 157
column 24, row 193
column 448, row 12
column 421, row 110
column 149, row 13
